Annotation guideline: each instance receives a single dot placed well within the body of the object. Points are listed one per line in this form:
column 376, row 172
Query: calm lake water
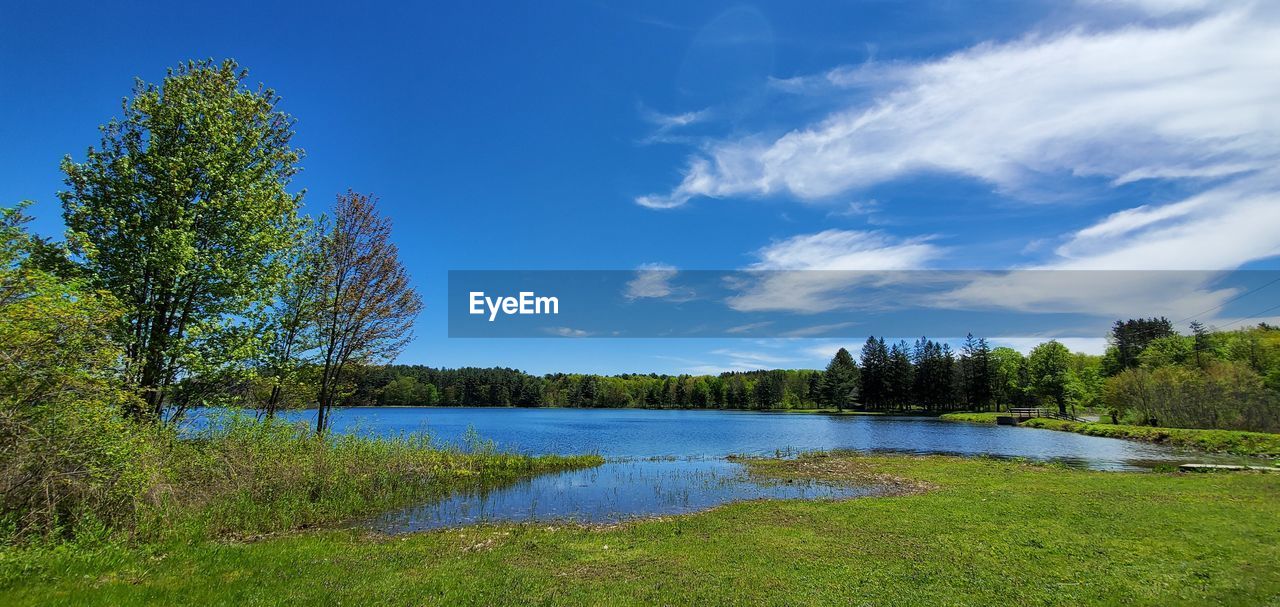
column 648, row 433
column 673, row 461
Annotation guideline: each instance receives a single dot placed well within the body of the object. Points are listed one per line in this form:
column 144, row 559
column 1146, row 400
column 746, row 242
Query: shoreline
column 1138, row 538
column 1231, row 442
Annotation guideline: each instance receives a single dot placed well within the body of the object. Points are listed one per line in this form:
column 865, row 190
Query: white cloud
column 813, row 330
column 846, row 250
column 669, row 121
column 653, row 281
column 1086, row 345
column 1158, row 8
column 1185, row 100
column 1221, row 228
column 1191, row 99
column 858, row 208
column 665, row 125
column 723, row 360
column 807, row 272
column 747, row 357
column 567, row 332
column 749, row 327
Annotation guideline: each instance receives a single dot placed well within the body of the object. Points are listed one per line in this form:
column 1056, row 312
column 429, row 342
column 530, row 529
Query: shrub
column 68, row 459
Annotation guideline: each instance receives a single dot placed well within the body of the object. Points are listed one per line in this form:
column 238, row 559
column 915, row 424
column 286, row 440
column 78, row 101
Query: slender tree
column 899, row 376
column 977, row 373
column 182, row 215
column 1200, row 342
column 366, row 305
column 290, row 323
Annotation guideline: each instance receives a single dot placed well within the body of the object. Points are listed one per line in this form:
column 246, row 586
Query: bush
column 68, row 459
column 1222, row 395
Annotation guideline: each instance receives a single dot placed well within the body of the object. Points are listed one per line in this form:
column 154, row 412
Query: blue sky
column 841, row 135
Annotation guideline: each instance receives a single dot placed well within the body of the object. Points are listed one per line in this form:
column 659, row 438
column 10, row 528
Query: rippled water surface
column 615, row 491
column 642, row 433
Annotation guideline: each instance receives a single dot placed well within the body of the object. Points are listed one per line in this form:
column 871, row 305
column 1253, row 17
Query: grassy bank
column 976, row 418
column 1257, row 444
column 1250, row 444
column 984, row 532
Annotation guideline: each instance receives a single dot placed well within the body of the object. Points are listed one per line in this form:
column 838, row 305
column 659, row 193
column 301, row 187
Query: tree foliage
column 182, row 214
column 69, row 458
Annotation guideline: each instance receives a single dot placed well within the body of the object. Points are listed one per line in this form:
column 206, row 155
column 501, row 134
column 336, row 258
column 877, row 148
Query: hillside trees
column 1130, row 337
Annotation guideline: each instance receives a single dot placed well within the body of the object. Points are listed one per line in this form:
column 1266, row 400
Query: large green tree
column 182, row 214
column 1049, row 365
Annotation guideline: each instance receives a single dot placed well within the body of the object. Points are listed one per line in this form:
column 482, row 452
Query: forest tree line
column 1149, row 373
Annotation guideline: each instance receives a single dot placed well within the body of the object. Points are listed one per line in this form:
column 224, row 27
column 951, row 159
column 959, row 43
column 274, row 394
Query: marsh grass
column 242, row 477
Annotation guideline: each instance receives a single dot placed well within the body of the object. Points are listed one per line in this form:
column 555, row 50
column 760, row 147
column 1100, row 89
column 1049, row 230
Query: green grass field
column 964, row 532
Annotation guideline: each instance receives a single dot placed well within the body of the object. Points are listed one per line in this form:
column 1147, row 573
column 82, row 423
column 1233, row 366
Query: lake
column 650, row 433
column 663, row 462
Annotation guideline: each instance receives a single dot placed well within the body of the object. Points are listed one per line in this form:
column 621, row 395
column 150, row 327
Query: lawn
column 963, row 531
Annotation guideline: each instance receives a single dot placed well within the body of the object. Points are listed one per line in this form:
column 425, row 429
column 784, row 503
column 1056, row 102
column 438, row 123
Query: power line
column 1248, row 318
column 1250, row 291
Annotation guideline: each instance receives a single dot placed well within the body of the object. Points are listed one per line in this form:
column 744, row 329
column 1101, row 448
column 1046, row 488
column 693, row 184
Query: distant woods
column 1149, row 374
column 924, row 376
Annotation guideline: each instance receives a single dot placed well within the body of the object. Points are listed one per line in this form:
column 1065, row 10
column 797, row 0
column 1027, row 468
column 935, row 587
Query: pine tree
column 875, row 363
column 839, row 385
column 899, row 376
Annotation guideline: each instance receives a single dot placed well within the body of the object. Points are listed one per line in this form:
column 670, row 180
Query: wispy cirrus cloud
column 1175, row 101
column 809, row 273
column 653, row 281
column 1185, row 91
column 665, row 126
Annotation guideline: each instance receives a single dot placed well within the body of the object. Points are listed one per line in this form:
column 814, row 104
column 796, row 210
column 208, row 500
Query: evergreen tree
column 1200, row 343
column 899, row 376
column 1132, row 336
column 977, row 375
column 875, row 366
column 839, row 385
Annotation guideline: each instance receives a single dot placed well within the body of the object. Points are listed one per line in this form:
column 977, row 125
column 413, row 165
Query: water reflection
column 615, row 491
column 640, row 433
